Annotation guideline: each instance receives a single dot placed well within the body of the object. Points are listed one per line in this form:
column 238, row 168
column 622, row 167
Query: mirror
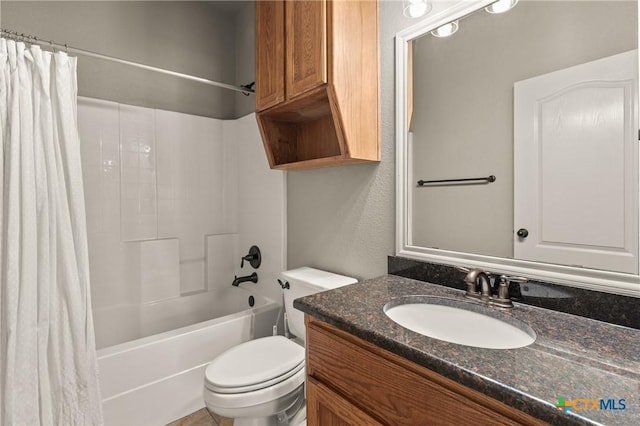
column 541, row 104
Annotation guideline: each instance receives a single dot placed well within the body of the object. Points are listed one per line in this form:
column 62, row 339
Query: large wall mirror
column 517, row 141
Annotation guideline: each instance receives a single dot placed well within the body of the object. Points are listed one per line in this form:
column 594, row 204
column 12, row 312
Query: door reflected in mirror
column 544, row 98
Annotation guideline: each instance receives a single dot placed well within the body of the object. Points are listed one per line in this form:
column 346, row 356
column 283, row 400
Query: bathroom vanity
column 387, row 387
column 362, row 368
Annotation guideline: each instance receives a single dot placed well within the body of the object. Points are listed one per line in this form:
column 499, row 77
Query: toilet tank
column 303, row 282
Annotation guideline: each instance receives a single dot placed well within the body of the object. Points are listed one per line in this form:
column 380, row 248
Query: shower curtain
column 48, row 366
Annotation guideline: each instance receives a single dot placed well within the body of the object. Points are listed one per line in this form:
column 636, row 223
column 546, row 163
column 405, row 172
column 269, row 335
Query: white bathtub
column 157, row 379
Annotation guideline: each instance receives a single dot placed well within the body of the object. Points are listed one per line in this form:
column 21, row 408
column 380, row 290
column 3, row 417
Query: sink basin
column 461, row 322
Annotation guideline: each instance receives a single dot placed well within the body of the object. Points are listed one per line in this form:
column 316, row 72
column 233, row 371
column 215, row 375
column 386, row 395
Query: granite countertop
column 573, row 357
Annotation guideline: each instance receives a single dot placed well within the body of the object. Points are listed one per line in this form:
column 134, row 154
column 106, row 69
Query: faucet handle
column 254, row 258
column 503, row 300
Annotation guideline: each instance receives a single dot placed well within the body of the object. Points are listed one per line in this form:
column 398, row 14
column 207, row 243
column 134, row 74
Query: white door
column 576, row 166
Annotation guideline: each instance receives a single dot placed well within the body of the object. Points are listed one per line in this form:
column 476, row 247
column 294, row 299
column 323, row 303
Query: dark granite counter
column 573, row 358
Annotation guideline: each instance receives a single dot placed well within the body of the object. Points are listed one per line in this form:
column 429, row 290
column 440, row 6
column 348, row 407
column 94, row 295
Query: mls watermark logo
column 589, row 404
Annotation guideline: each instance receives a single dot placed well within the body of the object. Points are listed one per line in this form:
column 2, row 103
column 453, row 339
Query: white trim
column 592, row 279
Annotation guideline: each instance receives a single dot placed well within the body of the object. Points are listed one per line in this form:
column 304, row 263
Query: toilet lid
column 255, row 362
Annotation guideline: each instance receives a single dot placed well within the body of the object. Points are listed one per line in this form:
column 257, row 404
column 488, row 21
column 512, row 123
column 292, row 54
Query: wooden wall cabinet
column 352, row 382
column 317, row 93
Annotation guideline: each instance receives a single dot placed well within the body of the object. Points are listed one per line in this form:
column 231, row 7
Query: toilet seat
column 268, row 394
column 255, row 365
column 256, row 386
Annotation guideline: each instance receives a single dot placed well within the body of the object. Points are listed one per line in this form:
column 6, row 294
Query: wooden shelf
column 304, row 133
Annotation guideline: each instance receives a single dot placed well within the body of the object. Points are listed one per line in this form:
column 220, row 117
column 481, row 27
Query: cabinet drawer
column 329, row 409
column 394, row 390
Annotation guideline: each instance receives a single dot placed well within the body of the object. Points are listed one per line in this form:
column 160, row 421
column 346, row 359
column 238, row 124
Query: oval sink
column 460, row 322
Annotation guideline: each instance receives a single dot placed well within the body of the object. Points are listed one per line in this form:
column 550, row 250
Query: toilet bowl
column 261, row 382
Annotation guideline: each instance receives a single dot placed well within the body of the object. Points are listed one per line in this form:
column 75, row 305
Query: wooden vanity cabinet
column 317, row 92
column 352, row 382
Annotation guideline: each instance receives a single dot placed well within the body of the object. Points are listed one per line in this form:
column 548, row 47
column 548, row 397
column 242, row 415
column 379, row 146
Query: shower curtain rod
column 245, row 89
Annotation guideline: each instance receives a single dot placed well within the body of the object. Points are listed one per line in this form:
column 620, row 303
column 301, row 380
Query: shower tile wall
column 223, row 264
column 191, row 189
column 138, row 211
column 155, row 266
column 99, row 127
column 161, row 210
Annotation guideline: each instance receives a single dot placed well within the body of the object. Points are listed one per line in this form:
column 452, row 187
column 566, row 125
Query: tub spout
column 238, row 280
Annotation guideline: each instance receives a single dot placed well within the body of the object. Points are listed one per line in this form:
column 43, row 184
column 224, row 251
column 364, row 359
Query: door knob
column 522, row 233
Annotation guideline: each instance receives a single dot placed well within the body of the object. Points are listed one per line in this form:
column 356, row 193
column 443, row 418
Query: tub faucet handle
column 254, row 257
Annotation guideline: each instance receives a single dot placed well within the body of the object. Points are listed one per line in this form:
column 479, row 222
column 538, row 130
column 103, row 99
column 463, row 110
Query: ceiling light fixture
column 416, row 8
column 501, row 6
column 446, row 30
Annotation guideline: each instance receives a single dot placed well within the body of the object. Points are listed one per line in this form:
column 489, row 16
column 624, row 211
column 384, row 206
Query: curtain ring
column 66, row 48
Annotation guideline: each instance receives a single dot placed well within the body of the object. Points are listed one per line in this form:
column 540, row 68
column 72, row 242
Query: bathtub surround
column 607, row 307
column 172, row 205
column 48, row 365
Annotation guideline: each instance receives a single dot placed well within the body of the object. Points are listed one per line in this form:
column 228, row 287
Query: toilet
column 261, row 382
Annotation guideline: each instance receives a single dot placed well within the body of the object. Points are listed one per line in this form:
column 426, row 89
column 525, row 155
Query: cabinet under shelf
column 305, row 132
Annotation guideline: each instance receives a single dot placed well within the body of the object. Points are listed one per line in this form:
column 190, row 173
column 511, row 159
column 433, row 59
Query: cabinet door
column 269, row 53
column 326, row 408
column 306, row 45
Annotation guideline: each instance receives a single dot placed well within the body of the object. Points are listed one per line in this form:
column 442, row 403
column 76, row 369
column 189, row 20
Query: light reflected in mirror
column 543, row 97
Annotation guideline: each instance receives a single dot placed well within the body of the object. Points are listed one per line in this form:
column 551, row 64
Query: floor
column 202, row 418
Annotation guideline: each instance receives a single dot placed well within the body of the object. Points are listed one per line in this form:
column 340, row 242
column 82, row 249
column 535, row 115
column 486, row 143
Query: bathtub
column 157, row 379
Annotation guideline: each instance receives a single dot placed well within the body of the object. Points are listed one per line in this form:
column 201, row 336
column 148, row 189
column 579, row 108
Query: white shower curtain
column 48, row 367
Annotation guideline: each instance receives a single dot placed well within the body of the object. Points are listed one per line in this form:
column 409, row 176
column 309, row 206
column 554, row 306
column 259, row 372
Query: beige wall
column 245, row 47
column 463, row 113
column 190, row 37
column 343, row 219
column 340, row 219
